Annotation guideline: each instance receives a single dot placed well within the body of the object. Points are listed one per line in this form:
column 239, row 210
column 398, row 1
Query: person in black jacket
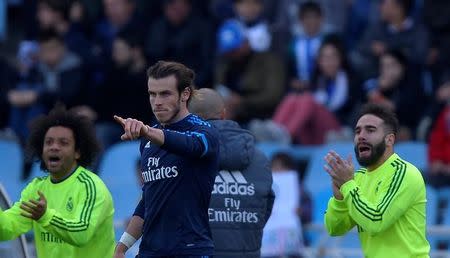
column 242, row 197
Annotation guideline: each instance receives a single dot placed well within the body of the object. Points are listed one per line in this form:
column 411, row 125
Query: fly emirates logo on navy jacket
column 233, row 195
column 155, row 172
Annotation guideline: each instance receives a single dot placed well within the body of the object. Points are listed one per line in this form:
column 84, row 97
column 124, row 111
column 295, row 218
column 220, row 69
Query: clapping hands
column 341, row 171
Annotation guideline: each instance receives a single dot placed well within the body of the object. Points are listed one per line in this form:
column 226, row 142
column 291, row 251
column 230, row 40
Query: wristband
column 127, row 239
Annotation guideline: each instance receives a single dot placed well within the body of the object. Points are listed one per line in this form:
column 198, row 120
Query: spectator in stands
column 398, row 88
column 395, row 30
column 120, row 15
column 304, row 47
column 181, row 36
column 438, row 175
column 252, row 181
column 123, row 84
column 20, row 96
column 438, row 21
column 309, row 114
column 251, row 83
column 56, row 15
column 55, row 77
column 70, row 210
column 334, row 13
column 61, row 72
column 360, row 14
column 385, row 199
column 283, row 232
column 436, row 103
column 250, row 13
column 6, row 83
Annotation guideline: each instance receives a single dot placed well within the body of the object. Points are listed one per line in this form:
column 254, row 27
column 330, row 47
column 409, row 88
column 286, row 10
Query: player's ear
column 390, row 139
column 77, row 155
column 185, row 94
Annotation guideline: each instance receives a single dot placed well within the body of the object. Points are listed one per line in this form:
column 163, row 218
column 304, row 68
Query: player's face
column 369, row 140
column 167, row 103
column 59, row 154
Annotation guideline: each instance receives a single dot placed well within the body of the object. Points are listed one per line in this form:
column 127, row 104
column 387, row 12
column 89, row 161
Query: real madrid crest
column 69, row 205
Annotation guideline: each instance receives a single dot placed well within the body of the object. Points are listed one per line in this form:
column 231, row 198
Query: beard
column 170, row 117
column 376, row 152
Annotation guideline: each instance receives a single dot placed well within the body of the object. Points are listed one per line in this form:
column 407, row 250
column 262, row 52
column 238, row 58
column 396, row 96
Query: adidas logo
column 147, row 145
column 233, row 183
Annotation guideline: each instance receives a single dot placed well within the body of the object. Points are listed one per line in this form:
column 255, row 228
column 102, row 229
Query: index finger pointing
column 120, row 120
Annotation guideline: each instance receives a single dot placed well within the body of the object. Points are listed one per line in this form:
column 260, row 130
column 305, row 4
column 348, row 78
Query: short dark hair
column 406, row 5
column 131, row 38
column 398, row 55
column 309, row 7
column 83, row 130
column 238, row 1
column 59, row 6
column 185, row 76
column 46, row 35
column 387, row 115
column 285, row 159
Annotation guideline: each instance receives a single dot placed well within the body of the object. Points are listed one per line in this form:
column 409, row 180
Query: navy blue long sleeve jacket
column 179, row 177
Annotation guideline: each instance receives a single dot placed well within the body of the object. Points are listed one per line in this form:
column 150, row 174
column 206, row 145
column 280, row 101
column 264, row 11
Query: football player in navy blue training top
column 179, row 162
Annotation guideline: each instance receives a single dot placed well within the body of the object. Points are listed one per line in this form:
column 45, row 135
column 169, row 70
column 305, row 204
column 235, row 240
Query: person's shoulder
column 198, row 122
column 259, row 156
column 32, row 187
column 37, row 181
column 88, row 177
column 411, row 172
column 360, row 172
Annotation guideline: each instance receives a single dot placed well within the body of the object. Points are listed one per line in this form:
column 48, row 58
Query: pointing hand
column 133, row 128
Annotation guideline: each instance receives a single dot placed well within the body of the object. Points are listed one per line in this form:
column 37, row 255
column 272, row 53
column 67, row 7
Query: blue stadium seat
column 299, row 152
column 10, row 176
column 414, row 152
column 432, row 205
column 271, row 148
column 432, row 210
column 117, row 169
column 303, row 152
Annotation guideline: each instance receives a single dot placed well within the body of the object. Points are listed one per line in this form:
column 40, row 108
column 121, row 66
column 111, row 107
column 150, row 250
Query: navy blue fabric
column 179, row 177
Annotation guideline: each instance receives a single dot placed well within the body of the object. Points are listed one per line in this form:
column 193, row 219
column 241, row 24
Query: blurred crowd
column 292, row 71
